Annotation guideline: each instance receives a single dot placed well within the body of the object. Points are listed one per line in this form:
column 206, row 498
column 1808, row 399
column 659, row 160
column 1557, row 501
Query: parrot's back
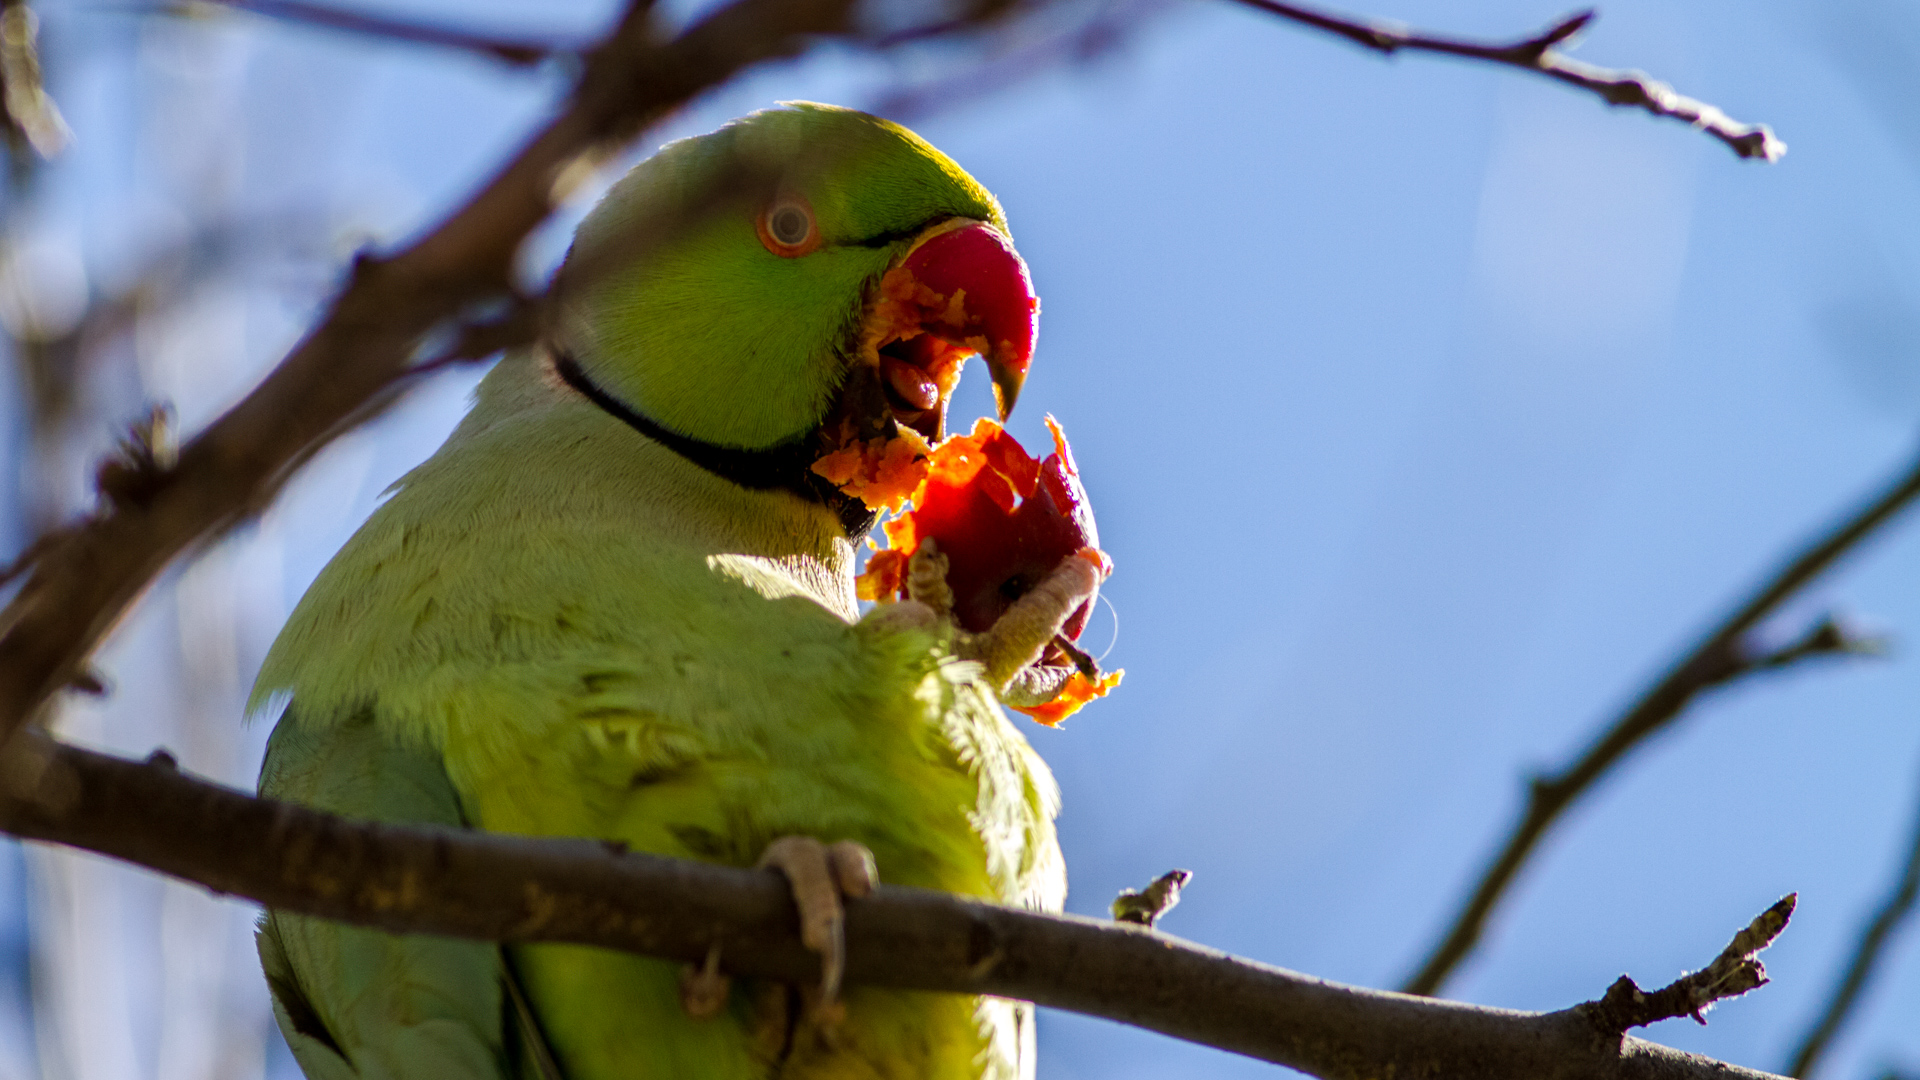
column 555, row 627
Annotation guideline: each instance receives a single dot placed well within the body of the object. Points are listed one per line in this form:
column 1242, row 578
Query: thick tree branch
column 354, row 361
column 1540, row 54
column 1725, row 654
column 1874, row 938
column 493, row 887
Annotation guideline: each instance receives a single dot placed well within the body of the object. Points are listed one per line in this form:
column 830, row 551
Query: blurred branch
column 1540, row 54
column 31, row 119
column 355, row 361
column 1829, row 637
column 490, row 886
column 1027, row 57
column 1724, row 656
column 515, row 53
column 1874, row 938
column 55, row 360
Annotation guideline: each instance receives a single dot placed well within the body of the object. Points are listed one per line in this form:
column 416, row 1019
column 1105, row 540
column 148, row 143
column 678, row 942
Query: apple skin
column 1003, row 520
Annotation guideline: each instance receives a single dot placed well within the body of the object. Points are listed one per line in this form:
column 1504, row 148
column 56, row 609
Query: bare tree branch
column 518, row 53
column 1540, row 54
column 355, row 360
column 494, row 887
column 1734, row 972
column 1725, row 655
column 1110, row 27
column 1874, row 938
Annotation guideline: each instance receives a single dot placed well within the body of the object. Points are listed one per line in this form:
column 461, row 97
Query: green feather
column 557, row 627
column 709, row 312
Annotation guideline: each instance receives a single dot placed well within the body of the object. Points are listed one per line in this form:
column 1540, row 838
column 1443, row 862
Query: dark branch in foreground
column 357, row 358
column 1725, row 655
column 493, row 887
column 1874, row 939
column 1539, row 54
column 516, row 53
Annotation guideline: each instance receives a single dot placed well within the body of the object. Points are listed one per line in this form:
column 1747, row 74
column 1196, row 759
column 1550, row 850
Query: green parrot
column 619, row 603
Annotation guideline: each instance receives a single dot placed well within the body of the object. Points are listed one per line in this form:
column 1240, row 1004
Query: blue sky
column 1428, row 409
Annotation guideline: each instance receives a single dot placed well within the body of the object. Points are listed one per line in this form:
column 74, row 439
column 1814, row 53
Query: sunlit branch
column 1734, row 972
column 1724, row 655
column 489, row 886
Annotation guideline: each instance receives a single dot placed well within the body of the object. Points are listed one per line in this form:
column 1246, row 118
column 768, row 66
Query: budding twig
column 1144, row 907
column 1734, row 972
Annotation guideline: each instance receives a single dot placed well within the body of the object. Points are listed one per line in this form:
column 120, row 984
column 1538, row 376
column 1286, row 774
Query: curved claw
column 1023, row 630
column 703, row 989
column 1035, row 684
column 820, row 875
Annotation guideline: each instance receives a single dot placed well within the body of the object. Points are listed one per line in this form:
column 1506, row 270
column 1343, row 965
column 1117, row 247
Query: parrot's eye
column 787, row 228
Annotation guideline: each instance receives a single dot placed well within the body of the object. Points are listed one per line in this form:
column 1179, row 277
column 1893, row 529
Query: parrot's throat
column 785, row 466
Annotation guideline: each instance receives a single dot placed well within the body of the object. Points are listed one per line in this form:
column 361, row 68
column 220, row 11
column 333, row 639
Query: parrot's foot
column 1036, row 684
column 821, row 875
column 927, row 578
column 1024, row 630
column 901, row 615
column 703, row 990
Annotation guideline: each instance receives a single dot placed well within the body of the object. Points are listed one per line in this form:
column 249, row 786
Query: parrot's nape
column 619, row 603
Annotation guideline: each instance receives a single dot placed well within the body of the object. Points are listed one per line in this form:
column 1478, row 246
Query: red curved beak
column 988, row 296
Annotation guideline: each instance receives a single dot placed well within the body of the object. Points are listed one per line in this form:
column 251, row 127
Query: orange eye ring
column 787, row 227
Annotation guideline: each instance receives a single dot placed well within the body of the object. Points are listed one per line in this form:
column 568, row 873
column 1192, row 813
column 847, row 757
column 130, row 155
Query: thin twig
column 1540, row 53
column 1734, row 972
column 496, row 887
column 1874, row 938
column 518, row 53
column 1723, row 656
column 1021, row 58
column 1145, row 906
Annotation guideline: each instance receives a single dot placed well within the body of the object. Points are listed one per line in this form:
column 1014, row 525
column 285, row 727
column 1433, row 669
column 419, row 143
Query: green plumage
column 558, row 627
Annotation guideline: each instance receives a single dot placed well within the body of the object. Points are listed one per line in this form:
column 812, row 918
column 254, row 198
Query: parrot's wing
column 360, row 1003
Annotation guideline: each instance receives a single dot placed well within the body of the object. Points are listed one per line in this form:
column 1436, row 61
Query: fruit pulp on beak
column 960, row 291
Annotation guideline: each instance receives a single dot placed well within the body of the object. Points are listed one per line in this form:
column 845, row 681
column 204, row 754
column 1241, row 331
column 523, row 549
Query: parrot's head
column 805, row 276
